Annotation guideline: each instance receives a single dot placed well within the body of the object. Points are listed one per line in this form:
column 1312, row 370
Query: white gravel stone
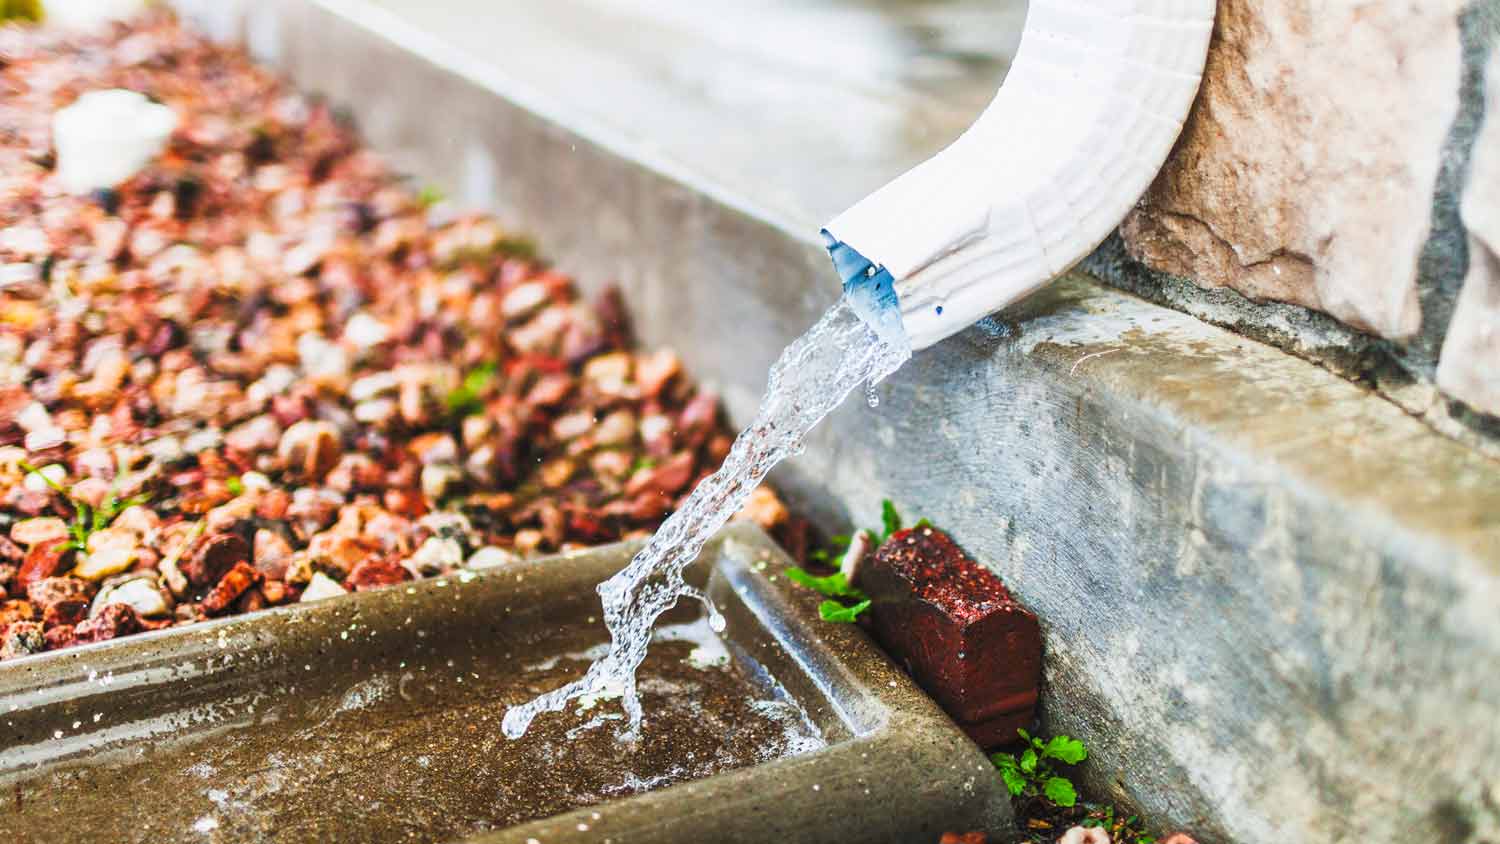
column 140, row 593
column 105, row 137
column 322, row 586
column 491, row 557
column 34, row 417
column 437, row 478
column 374, row 385
column 436, row 554
column 365, row 331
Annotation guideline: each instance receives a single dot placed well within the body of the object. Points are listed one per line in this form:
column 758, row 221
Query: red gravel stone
column 114, row 621
column 214, row 556
column 958, row 630
column 375, row 572
column 59, row 637
column 69, row 612
column 49, row 591
column 16, row 610
column 43, row 561
column 235, row 582
column 671, row 476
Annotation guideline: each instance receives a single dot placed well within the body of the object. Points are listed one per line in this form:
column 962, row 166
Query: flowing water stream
column 857, row 343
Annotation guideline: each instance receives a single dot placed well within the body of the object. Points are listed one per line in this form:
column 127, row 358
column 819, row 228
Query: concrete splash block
column 375, row 717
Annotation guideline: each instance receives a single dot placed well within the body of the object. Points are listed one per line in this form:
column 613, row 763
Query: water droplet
column 872, row 398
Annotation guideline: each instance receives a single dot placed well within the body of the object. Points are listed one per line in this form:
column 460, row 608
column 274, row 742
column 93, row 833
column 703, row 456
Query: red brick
column 958, row 630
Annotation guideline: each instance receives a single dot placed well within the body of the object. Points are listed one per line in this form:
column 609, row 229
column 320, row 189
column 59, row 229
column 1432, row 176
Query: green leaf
column 518, row 247
column 236, row 486
column 833, row 585
column 922, row 523
column 480, row 377
column 468, row 397
column 1065, row 749
column 429, row 196
column 840, row 541
column 27, row 10
column 835, row 611
column 1028, row 761
column 1023, row 734
column 1060, row 791
column 642, row 462
column 889, row 518
column 1015, row 781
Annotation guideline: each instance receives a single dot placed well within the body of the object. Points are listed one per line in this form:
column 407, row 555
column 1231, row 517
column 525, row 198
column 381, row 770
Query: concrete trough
column 376, row 717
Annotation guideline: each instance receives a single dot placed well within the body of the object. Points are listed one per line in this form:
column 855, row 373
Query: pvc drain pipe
column 1089, row 111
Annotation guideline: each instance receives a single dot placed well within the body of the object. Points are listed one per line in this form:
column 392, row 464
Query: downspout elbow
column 1087, row 115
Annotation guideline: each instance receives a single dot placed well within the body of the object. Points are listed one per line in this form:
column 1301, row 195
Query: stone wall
column 1321, row 172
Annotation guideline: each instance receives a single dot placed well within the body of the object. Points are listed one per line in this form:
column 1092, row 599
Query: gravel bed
column 267, row 369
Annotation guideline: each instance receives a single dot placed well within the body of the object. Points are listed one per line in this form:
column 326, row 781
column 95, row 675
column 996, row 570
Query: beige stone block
column 1306, row 171
column 1469, row 367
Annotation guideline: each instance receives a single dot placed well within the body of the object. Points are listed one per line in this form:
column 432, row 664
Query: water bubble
column 872, row 398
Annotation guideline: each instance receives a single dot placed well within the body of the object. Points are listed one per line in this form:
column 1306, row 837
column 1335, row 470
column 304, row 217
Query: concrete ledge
column 1269, row 597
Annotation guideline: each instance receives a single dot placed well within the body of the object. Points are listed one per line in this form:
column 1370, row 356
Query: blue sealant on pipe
column 870, row 289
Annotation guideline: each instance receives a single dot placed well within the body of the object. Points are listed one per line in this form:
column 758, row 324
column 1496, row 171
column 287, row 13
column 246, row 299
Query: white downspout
column 1089, row 111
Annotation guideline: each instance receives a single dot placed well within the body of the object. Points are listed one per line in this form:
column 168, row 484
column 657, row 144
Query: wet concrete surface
column 415, row 752
column 805, row 106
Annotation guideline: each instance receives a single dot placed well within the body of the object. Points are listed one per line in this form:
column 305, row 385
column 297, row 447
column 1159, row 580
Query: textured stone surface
column 1469, row 369
column 1296, row 181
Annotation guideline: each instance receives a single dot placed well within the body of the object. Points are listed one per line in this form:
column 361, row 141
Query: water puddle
column 411, row 750
column 838, row 355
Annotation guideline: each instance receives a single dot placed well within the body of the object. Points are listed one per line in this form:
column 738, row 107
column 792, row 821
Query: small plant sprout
column 87, row 519
column 838, row 545
column 1033, row 773
column 468, row 398
column 846, row 601
column 429, row 196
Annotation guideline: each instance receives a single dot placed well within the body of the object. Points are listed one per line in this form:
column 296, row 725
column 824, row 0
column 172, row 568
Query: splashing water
column 858, row 342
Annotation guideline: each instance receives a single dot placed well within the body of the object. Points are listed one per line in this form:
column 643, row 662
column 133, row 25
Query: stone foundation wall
column 1342, row 159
